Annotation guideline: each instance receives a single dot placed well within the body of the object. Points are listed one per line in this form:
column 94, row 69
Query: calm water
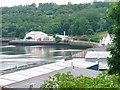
column 12, row 56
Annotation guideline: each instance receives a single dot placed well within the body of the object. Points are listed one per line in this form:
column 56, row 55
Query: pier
column 74, row 43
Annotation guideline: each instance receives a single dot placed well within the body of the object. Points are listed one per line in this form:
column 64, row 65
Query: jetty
column 37, row 75
column 74, row 43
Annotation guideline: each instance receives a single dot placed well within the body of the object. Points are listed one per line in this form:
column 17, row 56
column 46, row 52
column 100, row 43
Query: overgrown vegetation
column 93, row 38
column 68, row 81
column 114, row 61
column 74, row 19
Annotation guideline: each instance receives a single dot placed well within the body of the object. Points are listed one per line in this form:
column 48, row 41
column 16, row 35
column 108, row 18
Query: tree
column 57, row 39
column 114, row 61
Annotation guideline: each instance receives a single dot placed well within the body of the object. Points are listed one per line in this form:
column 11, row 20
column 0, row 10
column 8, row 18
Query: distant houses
column 106, row 40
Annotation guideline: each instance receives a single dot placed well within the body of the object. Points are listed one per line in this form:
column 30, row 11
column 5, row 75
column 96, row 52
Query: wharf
column 37, row 75
column 84, row 44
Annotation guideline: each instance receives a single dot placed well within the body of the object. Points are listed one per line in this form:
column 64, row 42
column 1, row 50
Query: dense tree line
column 75, row 19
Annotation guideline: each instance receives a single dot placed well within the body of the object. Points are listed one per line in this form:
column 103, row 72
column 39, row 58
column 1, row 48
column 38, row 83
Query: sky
column 10, row 3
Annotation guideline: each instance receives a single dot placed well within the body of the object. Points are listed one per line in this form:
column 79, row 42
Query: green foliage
column 84, row 38
column 21, row 35
column 57, row 39
column 92, row 38
column 74, row 19
column 68, row 81
column 114, row 61
column 66, row 41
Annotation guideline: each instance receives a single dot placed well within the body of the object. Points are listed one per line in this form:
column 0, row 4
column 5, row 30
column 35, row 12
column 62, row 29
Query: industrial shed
column 36, row 36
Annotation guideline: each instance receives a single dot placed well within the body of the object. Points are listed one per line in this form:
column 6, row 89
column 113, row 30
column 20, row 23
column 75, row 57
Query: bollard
column 72, row 65
column 31, row 86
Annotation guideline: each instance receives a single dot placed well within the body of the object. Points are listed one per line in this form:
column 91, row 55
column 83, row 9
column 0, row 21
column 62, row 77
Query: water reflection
column 21, row 55
column 40, row 51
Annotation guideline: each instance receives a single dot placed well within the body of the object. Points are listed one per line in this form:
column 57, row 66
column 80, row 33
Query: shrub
column 68, row 81
column 84, row 38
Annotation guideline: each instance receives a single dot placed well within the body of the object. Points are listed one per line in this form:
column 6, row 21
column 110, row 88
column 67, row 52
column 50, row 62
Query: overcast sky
column 10, row 3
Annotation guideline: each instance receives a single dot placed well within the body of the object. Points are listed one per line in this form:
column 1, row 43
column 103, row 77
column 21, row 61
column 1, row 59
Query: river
column 12, row 56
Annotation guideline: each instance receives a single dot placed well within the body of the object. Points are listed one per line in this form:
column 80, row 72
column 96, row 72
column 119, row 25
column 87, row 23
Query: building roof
column 38, row 74
column 36, row 32
column 38, row 80
column 97, row 54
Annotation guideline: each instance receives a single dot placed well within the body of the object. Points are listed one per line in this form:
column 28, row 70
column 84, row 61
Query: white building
column 106, row 40
column 99, row 57
column 95, row 55
column 36, row 36
column 51, row 38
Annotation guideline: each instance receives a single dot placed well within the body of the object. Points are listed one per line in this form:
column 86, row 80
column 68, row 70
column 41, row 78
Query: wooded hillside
column 75, row 19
